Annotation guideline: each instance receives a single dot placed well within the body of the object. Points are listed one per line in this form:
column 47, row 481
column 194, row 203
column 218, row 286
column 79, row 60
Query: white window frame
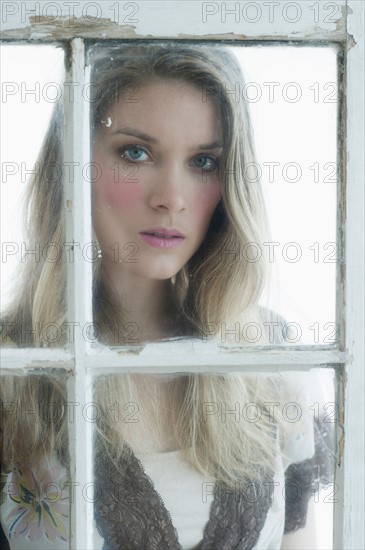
column 340, row 21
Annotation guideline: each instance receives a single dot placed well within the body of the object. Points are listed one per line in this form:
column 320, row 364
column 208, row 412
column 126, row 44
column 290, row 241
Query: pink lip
column 161, row 237
column 165, row 231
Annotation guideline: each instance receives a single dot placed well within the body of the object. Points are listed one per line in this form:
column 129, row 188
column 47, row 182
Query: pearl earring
column 99, row 253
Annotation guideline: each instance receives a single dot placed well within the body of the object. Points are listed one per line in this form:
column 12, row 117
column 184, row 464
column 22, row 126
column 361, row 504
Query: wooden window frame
column 341, row 22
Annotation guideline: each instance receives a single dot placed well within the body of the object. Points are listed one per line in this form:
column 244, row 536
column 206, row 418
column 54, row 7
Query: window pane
column 192, row 452
column 183, row 246
column 33, row 247
column 294, row 108
column 36, row 486
column 161, row 445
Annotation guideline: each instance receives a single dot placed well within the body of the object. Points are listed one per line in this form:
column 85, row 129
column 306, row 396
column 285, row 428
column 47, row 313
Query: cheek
column 120, row 195
column 208, row 200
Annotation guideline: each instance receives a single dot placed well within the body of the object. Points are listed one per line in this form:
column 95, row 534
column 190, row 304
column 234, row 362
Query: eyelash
column 123, row 153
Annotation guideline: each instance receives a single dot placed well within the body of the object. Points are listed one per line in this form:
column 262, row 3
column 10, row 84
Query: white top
column 186, row 494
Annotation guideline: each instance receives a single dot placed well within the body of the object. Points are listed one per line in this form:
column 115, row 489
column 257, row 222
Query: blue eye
column 206, row 163
column 134, row 153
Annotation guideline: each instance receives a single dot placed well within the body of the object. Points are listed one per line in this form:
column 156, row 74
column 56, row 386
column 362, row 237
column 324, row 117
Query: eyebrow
column 141, row 135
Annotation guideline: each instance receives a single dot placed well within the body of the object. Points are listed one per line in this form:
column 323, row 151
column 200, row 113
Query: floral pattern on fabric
column 41, row 499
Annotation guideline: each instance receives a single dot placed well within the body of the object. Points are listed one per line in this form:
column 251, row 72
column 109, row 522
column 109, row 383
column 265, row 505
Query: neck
column 147, row 306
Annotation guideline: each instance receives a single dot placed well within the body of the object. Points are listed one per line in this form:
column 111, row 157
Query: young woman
column 171, row 204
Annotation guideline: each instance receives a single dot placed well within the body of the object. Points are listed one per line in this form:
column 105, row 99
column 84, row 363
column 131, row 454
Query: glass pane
column 173, row 452
column 32, row 243
column 36, row 486
column 294, row 108
column 184, row 245
column 202, row 459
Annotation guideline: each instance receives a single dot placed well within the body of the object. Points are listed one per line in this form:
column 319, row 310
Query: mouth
column 162, row 237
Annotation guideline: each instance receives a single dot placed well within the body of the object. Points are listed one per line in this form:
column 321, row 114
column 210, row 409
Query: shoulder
column 275, row 327
column 297, row 434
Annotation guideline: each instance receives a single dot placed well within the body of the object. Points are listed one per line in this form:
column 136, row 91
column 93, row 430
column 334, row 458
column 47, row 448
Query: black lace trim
column 237, row 517
column 129, row 512
column 131, row 515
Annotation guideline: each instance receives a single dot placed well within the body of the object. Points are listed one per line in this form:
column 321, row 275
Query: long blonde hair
column 216, row 288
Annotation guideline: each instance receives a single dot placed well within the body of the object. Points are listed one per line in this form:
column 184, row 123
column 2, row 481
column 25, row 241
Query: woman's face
column 158, row 157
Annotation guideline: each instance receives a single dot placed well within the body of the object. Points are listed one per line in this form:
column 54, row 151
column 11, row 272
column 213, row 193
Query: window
column 322, row 34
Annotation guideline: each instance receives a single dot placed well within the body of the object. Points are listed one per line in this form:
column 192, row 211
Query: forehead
column 167, row 106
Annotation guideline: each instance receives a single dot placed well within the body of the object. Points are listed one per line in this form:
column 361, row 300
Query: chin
column 162, row 275
column 161, row 272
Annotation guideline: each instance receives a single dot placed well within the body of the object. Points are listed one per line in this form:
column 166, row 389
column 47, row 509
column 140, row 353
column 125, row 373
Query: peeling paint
column 345, row 12
column 341, row 446
column 350, row 42
column 62, row 28
column 37, row 366
column 341, row 418
column 350, row 357
column 126, row 353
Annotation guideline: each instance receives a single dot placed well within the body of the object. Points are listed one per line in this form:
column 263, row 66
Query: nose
column 169, row 188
